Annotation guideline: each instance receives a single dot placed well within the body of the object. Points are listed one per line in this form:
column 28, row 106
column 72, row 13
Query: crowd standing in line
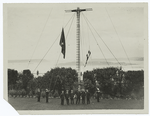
column 66, row 96
column 78, row 95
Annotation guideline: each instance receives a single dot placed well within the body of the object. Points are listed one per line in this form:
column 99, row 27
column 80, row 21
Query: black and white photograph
column 81, row 58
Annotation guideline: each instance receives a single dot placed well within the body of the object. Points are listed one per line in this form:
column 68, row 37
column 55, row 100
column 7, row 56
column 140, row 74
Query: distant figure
column 98, row 95
column 78, row 97
column 72, row 97
column 88, row 96
column 67, row 97
column 62, row 96
column 38, row 94
column 83, row 97
column 47, row 92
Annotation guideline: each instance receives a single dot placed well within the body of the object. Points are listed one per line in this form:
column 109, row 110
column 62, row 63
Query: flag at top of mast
column 62, row 43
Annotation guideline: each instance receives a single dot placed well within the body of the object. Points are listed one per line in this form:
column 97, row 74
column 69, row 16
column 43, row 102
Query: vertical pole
column 78, row 10
column 78, row 47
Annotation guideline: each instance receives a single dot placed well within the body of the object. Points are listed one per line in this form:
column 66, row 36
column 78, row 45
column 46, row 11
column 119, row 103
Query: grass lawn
column 54, row 104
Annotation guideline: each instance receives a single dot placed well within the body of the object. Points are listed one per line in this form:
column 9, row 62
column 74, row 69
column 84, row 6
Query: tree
column 135, row 83
column 111, row 81
column 89, row 81
column 12, row 78
column 26, row 76
column 32, row 85
column 63, row 78
column 58, row 79
column 106, row 78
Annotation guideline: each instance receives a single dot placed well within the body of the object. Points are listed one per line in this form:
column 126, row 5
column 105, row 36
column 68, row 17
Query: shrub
column 30, row 94
column 133, row 96
column 50, row 94
column 11, row 93
column 23, row 92
column 19, row 93
column 56, row 94
column 14, row 93
column 43, row 94
column 118, row 95
column 140, row 93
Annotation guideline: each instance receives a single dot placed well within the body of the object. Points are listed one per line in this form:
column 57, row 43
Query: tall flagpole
column 78, row 10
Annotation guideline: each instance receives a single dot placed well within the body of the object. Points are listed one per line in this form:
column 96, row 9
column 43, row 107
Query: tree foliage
column 12, row 78
column 26, row 76
column 111, row 81
column 62, row 78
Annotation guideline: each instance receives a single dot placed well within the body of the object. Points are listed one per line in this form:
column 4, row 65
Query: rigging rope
column 39, row 38
column 96, row 41
column 119, row 38
column 88, row 33
column 87, row 55
column 51, row 46
column 63, row 26
column 88, row 37
column 102, row 40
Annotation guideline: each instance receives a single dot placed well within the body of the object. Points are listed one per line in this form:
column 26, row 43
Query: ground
column 54, row 104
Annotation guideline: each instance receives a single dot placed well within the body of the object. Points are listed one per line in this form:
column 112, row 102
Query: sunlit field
column 54, row 104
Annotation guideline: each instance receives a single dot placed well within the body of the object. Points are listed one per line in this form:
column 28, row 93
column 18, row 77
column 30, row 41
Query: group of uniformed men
column 66, row 95
column 78, row 96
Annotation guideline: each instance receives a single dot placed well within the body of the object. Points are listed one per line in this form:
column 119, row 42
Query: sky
column 33, row 28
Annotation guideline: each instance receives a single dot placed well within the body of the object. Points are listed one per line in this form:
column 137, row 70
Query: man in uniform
column 67, row 97
column 98, row 94
column 38, row 94
column 47, row 92
column 83, row 97
column 88, row 96
column 62, row 96
column 78, row 97
column 72, row 97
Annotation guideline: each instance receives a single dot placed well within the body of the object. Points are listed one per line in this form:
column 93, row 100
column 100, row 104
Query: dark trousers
column 97, row 98
column 67, row 101
column 78, row 100
column 62, row 101
column 38, row 98
column 72, row 101
column 46, row 98
column 88, row 100
column 83, row 100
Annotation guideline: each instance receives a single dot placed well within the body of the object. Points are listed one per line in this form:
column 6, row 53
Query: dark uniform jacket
column 83, row 95
column 71, row 95
column 88, row 95
column 78, row 94
column 67, row 96
column 62, row 96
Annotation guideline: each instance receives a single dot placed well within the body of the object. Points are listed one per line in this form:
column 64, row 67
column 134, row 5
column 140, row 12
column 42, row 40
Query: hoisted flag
column 62, row 43
column 87, row 57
